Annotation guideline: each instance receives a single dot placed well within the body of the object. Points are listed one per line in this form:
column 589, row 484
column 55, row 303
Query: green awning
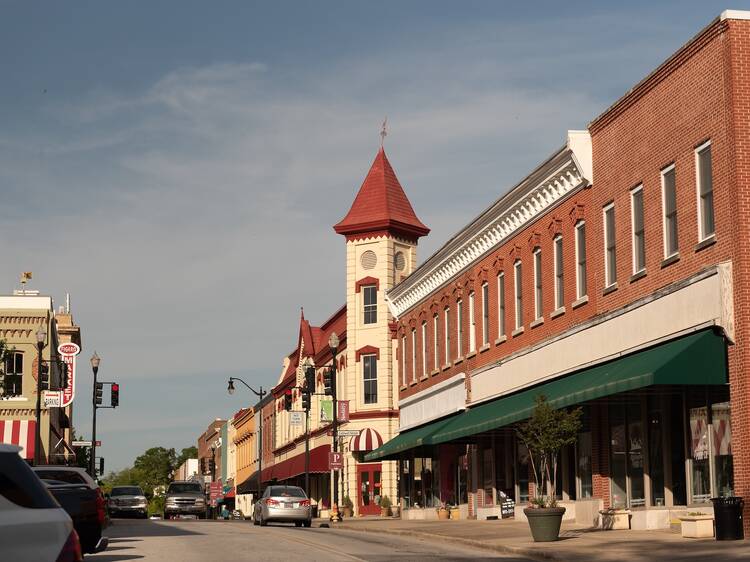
column 407, row 440
column 697, row 359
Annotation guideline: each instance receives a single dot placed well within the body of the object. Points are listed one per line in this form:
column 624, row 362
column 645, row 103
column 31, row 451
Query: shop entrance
column 369, row 488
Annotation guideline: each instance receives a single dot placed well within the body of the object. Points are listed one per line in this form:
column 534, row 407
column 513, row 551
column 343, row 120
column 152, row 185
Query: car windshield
column 182, row 488
column 64, row 476
column 286, row 492
column 127, row 491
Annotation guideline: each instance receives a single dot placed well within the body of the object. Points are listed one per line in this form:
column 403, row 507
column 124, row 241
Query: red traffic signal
column 115, row 395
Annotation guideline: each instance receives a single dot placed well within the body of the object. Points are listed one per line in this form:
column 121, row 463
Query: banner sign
column 343, row 411
column 326, row 410
column 336, row 460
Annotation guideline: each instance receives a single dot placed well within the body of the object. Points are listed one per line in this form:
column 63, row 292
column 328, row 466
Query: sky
column 177, row 167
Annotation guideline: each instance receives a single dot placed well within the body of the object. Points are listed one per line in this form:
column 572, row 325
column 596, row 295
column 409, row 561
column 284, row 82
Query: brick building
column 381, row 232
column 613, row 277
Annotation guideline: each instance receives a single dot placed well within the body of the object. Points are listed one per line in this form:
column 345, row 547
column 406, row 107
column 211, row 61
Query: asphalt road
column 229, row 541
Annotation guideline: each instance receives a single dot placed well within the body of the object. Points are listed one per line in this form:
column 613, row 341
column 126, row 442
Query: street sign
column 52, row 399
column 336, row 460
column 326, row 410
column 81, row 443
column 343, row 411
column 216, row 490
column 348, row 432
column 296, row 418
column 98, row 443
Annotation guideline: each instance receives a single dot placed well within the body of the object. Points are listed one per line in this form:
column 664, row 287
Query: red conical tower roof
column 381, row 205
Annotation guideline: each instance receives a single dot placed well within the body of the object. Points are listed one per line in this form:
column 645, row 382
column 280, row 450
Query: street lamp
column 260, row 393
column 41, row 335
column 333, row 343
column 95, row 360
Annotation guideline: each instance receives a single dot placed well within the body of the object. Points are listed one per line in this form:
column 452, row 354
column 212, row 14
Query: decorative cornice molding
column 367, row 350
column 365, row 282
column 564, row 172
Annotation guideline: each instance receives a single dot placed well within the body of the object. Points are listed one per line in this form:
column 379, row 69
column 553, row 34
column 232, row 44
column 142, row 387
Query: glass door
column 627, row 455
column 368, row 487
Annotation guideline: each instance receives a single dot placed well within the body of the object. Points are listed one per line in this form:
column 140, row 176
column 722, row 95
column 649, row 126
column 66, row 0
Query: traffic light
column 65, row 378
column 306, row 400
column 211, row 466
column 115, row 395
column 329, row 382
column 310, row 379
column 45, row 376
column 98, row 389
column 288, row 400
column 101, row 466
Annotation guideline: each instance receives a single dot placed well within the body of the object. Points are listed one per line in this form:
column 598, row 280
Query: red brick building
column 614, row 277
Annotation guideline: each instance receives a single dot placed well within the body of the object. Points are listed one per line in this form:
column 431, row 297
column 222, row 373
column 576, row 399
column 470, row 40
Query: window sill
column 580, row 302
column 501, row 339
column 670, row 260
column 611, row 289
column 424, row 377
column 435, row 372
column 484, row 348
column 458, row 361
column 558, row 312
column 471, row 354
column 538, row 322
column 446, row 367
column 403, row 387
column 710, row 241
column 413, row 383
column 517, row 332
column 638, row 275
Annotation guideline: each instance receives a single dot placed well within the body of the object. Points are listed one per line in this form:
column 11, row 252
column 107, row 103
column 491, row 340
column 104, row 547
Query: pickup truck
column 185, row 497
column 81, row 498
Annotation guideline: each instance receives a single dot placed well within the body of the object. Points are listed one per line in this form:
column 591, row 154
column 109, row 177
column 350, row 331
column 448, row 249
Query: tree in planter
column 545, row 433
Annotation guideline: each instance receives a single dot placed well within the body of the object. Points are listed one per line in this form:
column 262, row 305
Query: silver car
column 284, row 504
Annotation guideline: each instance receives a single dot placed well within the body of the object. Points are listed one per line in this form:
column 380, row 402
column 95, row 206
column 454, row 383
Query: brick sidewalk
column 577, row 543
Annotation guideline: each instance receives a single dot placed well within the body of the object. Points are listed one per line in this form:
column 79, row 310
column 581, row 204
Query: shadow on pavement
column 125, row 530
column 104, row 557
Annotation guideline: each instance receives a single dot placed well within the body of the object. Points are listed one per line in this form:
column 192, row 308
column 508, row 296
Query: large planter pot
column 385, row 512
column 347, row 511
column 544, row 522
column 443, row 514
column 697, row 526
column 615, row 519
column 455, row 513
column 396, row 511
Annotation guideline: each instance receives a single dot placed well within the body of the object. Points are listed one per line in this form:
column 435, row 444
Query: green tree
column 156, row 467
column 186, row 453
column 545, row 434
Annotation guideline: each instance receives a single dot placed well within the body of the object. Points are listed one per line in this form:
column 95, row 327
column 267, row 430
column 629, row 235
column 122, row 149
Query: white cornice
column 565, row 171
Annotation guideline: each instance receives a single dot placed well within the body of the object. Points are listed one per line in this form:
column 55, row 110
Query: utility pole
column 41, row 335
column 92, row 461
column 333, row 342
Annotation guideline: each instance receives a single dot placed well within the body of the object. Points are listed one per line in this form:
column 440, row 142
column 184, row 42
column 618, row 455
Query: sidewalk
column 577, row 543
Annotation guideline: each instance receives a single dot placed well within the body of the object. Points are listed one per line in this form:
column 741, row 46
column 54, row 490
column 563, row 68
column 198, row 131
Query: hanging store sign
column 64, row 397
column 336, row 460
column 52, row 398
column 343, row 411
column 326, row 410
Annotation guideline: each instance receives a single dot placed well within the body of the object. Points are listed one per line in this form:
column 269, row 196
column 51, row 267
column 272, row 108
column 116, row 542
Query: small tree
column 545, row 434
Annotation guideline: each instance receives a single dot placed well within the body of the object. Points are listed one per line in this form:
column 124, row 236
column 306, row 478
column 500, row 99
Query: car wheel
column 255, row 520
column 201, row 516
column 263, row 522
column 307, row 523
column 298, row 523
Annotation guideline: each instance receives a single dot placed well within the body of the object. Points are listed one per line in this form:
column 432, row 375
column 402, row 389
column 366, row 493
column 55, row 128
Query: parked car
column 81, row 497
column 33, row 526
column 284, row 504
column 128, row 500
column 185, row 497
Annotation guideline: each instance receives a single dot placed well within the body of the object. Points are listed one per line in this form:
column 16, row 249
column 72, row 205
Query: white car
column 33, row 526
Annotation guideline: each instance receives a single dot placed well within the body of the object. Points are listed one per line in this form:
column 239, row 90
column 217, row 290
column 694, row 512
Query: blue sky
column 177, row 166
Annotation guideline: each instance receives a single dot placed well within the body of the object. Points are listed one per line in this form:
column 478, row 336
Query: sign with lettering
column 508, row 508
column 326, row 411
column 52, row 398
column 343, row 411
column 336, row 460
column 296, row 418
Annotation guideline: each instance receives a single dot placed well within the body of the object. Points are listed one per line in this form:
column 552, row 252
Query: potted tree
column 443, row 512
column 545, row 434
column 385, row 506
column 347, row 507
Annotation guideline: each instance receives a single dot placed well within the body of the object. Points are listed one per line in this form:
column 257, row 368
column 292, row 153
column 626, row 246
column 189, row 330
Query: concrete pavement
column 240, row 541
column 577, row 543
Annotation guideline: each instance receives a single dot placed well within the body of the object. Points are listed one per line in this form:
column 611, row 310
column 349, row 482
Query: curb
column 527, row 552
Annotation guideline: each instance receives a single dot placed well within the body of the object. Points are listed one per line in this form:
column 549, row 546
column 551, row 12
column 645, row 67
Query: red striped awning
column 19, row 432
column 295, row 466
column 367, row 440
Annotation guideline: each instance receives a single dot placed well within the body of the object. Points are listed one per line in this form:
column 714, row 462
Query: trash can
column 728, row 518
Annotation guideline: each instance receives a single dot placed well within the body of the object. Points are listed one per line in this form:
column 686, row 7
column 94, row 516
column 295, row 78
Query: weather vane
column 383, row 131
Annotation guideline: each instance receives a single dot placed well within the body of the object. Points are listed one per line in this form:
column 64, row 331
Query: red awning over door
column 19, row 432
column 295, row 465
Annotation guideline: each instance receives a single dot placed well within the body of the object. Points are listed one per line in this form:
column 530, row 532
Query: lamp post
column 309, row 371
column 260, row 393
column 92, row 461
column 333, row 343
column 41, row 335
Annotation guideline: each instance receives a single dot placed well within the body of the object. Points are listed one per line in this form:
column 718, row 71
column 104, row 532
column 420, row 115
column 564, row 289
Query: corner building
column 613, row 277
column 381, row 232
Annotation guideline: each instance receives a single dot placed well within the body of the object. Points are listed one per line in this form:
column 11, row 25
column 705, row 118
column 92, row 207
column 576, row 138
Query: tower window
column 370, row 299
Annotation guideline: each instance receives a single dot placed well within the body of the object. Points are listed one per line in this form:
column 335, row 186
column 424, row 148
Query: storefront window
column 635, row 455
column 656, row 450
column 488, row 476
column 722, row 446
column 522, row 473
column 503, row 464
column 619, row 453
column 699, row 450
column 585, row 474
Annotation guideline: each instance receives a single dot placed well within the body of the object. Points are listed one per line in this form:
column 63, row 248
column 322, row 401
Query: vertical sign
column 336, row 460
column 343, row 411
column 326, row 410
column 68, row 352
